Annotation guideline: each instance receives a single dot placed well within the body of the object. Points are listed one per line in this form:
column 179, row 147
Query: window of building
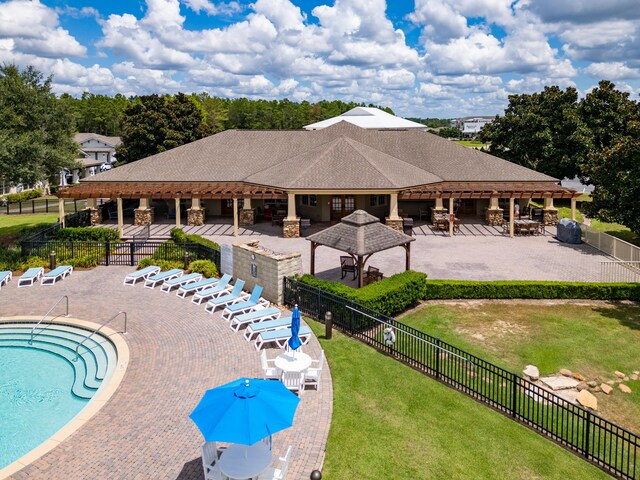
column 377, row 200
column 309, row 200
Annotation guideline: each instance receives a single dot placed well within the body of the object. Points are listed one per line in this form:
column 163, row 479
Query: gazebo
column 360, row 234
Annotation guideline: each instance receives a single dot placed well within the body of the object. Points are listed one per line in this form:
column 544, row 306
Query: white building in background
column 369, row 117
column 97, row 153
column 471, row 126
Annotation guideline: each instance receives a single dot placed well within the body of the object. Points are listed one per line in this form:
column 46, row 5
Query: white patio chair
column 278, row 472
column 269, row 370
column 210, row 456
column 294, row 381
column 312, row 375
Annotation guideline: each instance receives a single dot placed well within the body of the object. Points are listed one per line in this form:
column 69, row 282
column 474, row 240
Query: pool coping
column 94, row 405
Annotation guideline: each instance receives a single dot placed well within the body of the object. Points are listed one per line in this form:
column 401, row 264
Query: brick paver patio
column 177, row 352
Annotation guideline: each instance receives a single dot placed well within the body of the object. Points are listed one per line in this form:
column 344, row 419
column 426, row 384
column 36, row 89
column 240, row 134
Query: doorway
column 342, row 205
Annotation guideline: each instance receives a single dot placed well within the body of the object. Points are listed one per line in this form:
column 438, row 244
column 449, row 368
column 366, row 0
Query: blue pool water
column 35, row 399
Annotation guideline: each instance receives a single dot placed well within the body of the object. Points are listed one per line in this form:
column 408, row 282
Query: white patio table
column 293, row 361
column 240, row 462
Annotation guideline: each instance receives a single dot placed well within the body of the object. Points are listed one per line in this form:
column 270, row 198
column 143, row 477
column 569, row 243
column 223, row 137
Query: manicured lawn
column 472, row 143
column 10, row 225
column 592, row 340
column 390, row 421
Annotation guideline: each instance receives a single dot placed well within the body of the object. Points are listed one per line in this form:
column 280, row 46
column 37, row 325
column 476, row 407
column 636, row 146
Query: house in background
column 369, row 117
column 471, row 126
column 97, row 154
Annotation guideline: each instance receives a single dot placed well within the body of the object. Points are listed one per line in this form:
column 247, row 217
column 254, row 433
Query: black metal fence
column 119, row 253
column 605, row 444
column 46, row 232
column 42, row 205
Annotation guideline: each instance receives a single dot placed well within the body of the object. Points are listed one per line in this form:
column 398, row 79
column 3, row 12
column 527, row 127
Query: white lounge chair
column 312, row 375
column 255, row 328
column 221, row 288
column 193, row 287
column 31, row 276
column 280, row 337
column 260, row 315
column 153, row 280
column 235, row 296
column 168, row 285
column 210, row 456
column 269, row 369
column 5, row 277
column 60, row 273
column 278, row 472
column 254, row 301
column 143, row 274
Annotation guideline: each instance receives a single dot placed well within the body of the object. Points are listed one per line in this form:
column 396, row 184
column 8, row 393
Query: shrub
column 35, row 262
column 181, row 238
column 163, row 264
column 10, row 258
column 388, row 296
column 23, row 196
column 92, row 234
column 86, row 261
column 205, row 267
column 178, row 236
column 458, row 289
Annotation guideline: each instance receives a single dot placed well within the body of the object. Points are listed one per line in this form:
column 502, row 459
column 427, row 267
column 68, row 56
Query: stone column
column 120, row 217
column 394, row 220
column 178, row 219
column 494, row 215
column 437, row 210
column 291, row 224
column 247, row 214
column 512, row 211
column 94, row 212
column 550, row 212
column 195, row 215
column 573, row 208
column 144, row 214
column 61, row 211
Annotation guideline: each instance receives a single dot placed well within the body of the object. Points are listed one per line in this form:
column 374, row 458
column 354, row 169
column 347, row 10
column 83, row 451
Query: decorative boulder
column 587, row 400
column 532, row 372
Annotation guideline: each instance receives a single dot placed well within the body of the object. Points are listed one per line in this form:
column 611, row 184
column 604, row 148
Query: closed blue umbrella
column 294, row 342
column 245, row 411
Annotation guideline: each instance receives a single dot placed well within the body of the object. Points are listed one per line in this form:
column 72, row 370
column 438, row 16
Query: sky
column 422, row 58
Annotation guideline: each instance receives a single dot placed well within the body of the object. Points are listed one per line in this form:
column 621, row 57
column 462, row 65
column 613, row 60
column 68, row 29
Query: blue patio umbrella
column 294, row 342
column 245, row 411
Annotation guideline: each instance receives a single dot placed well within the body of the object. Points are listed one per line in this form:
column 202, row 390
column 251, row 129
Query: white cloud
column 612, row 71
column 211, row 8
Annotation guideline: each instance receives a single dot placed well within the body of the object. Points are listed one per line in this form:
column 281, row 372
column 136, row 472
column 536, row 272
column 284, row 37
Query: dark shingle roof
column 342, row 154
column 360, row 233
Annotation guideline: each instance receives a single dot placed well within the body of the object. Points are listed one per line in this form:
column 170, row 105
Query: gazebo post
column 360, row 273
column 407, row 251
column 313, row 257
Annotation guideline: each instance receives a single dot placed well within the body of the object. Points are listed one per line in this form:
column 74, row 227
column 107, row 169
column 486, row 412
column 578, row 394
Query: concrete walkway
column 177, row 352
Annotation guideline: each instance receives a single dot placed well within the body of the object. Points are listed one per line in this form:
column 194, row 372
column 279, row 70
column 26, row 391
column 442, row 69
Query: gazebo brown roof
column 360, row 234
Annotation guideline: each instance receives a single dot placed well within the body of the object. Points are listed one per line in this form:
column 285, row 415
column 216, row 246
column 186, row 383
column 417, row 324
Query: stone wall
column 256, row 265
column 96, row 216
column 494, row 216
column 290, row 228
column 195, row 216
column 143, row 216
column 437, row 211
column 247, row 217
column 395, row 223
column 550, row 216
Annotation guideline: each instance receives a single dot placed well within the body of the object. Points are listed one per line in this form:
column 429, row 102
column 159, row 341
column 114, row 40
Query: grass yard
column 472, row 143
column 390, row 421
column 10, row 225
column 592, row 340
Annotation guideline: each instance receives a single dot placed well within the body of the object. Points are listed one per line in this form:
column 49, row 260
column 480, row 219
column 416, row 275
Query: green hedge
column 23, row 196
column 205, row 267
column 388, row 296
column 468, row 289
column 179, row 237
column 88, row 234
column 163, row 264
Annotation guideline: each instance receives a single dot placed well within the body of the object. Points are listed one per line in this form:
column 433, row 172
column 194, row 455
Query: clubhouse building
column 320, row 175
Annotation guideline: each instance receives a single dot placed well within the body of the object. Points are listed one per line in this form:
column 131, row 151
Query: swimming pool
column 44, row 384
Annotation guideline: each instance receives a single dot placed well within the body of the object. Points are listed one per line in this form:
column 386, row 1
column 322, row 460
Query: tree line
column 596, row 138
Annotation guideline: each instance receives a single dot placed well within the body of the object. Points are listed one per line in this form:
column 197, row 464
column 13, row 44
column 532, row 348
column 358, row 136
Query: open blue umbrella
column 294, row 342
column 245, row 411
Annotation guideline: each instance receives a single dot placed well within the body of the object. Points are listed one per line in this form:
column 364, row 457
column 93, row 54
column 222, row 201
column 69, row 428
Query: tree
column 615, row 172
column 36, row 131
column 542, row 131
column 153, row 124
